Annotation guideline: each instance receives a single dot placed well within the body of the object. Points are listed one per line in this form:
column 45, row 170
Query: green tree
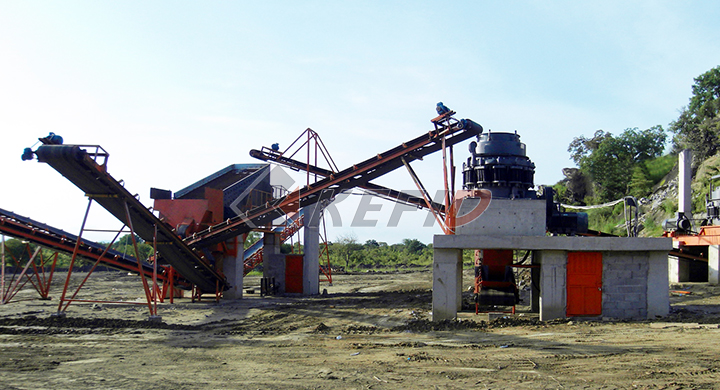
column 348, row 248
column 610, row 160
column 15, row 248
column 413, row 246
column 698, row 126
column 705, row 92
column 125, row 245
column 252, row 237
column 581, row 148
column 371, row 244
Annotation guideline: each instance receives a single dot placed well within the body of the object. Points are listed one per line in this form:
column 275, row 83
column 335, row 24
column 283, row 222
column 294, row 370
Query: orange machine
column 494, row 279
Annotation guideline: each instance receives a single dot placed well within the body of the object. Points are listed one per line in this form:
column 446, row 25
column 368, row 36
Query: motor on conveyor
column 498, row 163
column 51, row 139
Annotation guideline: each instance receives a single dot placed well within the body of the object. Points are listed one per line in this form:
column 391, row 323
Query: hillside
column 662, row 203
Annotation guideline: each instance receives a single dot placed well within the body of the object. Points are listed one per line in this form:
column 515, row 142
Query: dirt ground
column 371, row 331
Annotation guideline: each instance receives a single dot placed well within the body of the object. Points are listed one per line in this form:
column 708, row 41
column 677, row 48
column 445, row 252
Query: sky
column 177, row 90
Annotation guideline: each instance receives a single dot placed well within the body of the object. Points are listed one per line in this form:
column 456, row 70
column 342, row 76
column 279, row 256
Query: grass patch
column 659, row 167
column 606, row 220
column 652, row 229
column 670, row 205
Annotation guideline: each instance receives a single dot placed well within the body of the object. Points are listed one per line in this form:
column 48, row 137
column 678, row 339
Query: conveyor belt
column 258, row 245
column 378, row 190
column 77, row 165
column 357, row 175
column 24, row 228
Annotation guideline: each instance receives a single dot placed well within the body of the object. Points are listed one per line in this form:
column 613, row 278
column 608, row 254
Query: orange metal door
column 294, row 274
column 584, row 284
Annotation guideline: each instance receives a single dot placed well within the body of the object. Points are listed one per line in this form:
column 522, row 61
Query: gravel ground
column 371, row 331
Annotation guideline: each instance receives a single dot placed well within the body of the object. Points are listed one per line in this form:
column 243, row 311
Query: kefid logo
column 484, row 196
column 368, row 206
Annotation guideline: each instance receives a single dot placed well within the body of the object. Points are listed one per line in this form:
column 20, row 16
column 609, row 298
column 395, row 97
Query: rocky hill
column 663, row 202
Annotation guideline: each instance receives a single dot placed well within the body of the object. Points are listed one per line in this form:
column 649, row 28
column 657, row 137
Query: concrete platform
column 634, row 272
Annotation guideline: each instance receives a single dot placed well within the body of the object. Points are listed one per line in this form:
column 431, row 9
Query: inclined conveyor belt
column 357, row 175
column 258, row 245
column 78, row 166
column 378, row 190
column 25, row 228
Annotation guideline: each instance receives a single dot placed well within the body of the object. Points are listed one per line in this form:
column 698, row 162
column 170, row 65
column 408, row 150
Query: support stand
column 151, row 296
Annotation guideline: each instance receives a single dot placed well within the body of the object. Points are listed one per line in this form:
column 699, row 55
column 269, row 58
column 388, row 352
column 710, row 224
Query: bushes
column 652, row 228
column 606, row 220
column 373, row 255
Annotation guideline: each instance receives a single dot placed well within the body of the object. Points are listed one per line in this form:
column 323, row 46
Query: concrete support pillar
column 311, row 263
column 714, row 264
column 447, row 283
column 684, row 178
column 233, row 268
column 673, row 269
column 553, row 282
column 658, row 291
column 535, row 285
column 273, row 260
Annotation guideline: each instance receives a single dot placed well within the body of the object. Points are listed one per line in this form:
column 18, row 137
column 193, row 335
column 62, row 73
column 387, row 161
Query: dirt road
column 370, row 331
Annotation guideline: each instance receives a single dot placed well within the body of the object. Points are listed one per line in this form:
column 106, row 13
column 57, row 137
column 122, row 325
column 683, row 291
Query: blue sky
column 178, row 90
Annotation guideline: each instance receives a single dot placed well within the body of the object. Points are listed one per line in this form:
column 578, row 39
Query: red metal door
column 584, row 284
column 294, row 274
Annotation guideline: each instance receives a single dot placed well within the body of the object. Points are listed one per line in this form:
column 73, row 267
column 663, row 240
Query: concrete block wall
column 625, row 286
column 635, row 272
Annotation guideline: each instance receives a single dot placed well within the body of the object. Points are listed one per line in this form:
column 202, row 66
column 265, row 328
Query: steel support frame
column 310, row 135
column 310, row 168
column 445, row 121
column 18, row 281
column 168, row 286
column 151, row 303
column 196, row 293
column 41, row 282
